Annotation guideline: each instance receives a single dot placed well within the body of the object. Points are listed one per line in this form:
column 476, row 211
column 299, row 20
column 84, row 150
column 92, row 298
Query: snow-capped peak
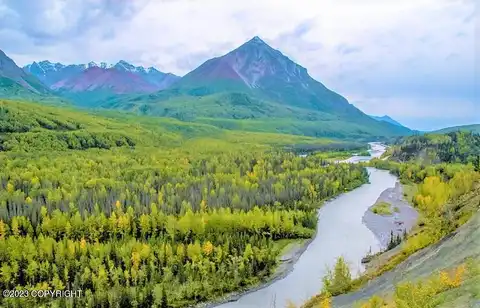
column 92, row 64
column 125, row 66
column 46, row 65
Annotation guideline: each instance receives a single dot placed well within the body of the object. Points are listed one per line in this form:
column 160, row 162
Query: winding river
column 340, row 233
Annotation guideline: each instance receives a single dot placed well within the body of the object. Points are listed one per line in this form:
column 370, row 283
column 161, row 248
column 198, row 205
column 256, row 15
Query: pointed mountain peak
column 256, row 42
column 124, row 66
column 257, row 39
column 255, row 64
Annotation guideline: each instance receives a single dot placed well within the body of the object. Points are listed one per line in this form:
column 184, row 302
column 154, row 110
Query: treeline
column 143, row 228
column 455, row 147
column 60, row 141
column 136, row 179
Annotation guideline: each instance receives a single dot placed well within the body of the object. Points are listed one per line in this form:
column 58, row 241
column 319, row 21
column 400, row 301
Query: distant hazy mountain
column 92, row 82
column 388, row 119
column 468, row 128
column 96, row 78
column 266, row 90
column 50, row 73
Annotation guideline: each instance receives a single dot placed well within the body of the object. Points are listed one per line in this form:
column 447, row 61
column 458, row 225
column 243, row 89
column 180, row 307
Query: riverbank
column 401, row 218
column 340, row 232
column 287, row 259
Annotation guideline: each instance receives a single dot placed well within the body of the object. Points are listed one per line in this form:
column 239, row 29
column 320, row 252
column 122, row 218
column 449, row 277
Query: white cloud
column 373, row 48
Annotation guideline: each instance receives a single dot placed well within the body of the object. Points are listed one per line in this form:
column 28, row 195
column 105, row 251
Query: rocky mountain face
column 257, row 68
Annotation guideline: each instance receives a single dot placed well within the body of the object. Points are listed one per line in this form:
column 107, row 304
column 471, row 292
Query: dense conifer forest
column 144, row 212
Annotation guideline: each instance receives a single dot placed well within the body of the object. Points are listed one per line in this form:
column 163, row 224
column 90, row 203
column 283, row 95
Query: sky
column 417, row 61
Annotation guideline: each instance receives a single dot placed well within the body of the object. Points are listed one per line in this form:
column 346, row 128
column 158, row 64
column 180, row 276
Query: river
column 340, row 232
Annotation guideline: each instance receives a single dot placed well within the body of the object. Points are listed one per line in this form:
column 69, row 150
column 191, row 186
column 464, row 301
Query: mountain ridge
column 119, row 78
column 253, row 87
column 272, row 86
column 10, row 70
column 475, row 128
column 386, row 118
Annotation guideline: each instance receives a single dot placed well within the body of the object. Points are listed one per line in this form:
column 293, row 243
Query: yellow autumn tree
column 3, row 230
column 207, row 248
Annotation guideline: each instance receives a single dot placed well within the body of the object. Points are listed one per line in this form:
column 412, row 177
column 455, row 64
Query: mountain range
column 119, row 78
column 254, row 87
column 386, row 118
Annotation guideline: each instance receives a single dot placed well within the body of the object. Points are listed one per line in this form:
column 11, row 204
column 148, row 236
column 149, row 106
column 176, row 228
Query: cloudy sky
column 415, row 60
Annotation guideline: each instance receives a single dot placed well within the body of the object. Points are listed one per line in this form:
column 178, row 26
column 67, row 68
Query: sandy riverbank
column 403, row 217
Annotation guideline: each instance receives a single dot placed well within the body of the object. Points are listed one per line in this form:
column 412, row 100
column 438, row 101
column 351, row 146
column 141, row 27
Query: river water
column 340, row 232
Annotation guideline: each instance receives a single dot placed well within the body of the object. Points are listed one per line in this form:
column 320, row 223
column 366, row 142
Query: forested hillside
column 468, row 128
column 454, row 147
column 145, row 212
column 442, row 179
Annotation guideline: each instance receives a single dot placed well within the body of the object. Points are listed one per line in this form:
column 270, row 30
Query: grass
column 382, row 208
column 283, row 246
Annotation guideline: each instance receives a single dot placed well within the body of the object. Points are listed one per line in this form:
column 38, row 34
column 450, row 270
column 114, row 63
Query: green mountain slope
column 10, row 89
column 241, row 111
column 15, row 83
column 388, row 119
column 257, row 88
